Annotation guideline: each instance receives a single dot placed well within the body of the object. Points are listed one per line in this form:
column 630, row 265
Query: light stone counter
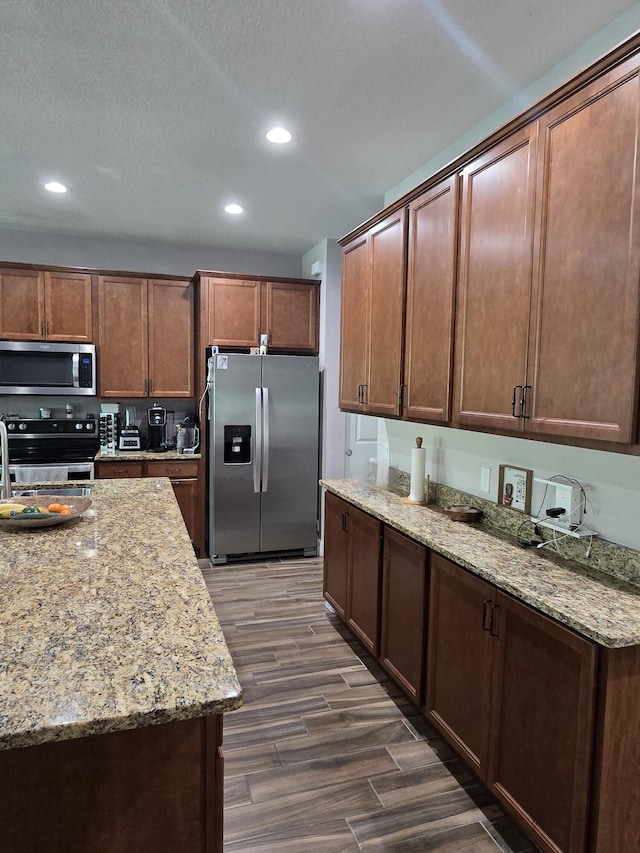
column 594, row 604
column 106, row 622
column 145, row 455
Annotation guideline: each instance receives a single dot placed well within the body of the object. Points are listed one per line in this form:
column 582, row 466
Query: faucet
column 5, row 486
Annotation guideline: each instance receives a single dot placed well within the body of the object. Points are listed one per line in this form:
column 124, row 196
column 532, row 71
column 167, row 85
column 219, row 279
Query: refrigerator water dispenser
column 237, row 444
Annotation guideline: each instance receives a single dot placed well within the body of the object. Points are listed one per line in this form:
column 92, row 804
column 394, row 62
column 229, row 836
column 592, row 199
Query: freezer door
column 234, row 455
column 290, row 467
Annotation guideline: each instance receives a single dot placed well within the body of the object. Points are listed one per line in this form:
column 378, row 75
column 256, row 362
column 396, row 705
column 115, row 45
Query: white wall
column 454, row 457
column 38, row 247
column 329, row 255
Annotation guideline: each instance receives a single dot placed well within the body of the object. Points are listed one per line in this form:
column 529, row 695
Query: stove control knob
column 11, row 426
column 22, row 426
column 90, row 426
column 78, row 426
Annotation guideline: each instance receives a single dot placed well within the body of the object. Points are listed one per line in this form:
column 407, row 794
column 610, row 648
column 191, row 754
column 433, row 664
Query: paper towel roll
column 418, row 461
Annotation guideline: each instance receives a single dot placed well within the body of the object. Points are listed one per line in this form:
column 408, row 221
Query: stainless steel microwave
column 43, row 367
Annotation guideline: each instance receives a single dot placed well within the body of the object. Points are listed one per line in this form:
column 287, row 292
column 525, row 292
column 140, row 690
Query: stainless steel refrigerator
column 263, row 465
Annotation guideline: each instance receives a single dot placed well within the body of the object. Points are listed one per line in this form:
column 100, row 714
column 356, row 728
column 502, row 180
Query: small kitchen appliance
column 187, row 436
column 130, row 432
column 157, row 419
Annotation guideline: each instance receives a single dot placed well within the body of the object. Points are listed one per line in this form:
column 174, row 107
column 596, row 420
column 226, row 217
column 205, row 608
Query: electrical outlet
column 485, row 479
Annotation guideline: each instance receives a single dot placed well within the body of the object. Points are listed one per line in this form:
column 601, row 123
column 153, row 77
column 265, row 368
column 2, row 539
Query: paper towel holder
column 425, row 500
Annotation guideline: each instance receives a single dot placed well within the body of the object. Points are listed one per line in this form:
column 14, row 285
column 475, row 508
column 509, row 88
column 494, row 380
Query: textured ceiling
column 154, row 111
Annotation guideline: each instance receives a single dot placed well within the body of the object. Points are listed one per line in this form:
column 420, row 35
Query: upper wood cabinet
column 431, row 277
column 494, row 286
column 45, row 305
column 371, row 335
column 584, row 321
column 242, row 309
column 145, row 337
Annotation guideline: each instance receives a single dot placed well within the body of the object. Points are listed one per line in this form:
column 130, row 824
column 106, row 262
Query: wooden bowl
column 463, row 513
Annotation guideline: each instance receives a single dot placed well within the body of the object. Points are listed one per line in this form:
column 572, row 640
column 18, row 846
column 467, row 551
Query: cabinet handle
column 513, row 401
column 269, row 336
column 46, row 326
column 486, row 621
column 151, row 386
column 494, row 621
column 401, row 394
column 146, row 386
column 359, row 393
column 364, row 393
column 344, row 521
column 42, row 328
column 523, row 400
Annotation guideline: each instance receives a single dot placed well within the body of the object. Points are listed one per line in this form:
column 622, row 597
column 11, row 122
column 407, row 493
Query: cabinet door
column 68, row 306
column 186, row 492
column 386, row 316
column 171, row 338
column 459, row 655
column 336, row 553
column 365, row 572
column 543, row 702
column 123, row 345
column 585, row 324
column 494, row 288
column 234, row 312
column 433, row 219
column 118, row 470
column 22, row 305
column 354, row 324
column 402, row 641
column 290, row 315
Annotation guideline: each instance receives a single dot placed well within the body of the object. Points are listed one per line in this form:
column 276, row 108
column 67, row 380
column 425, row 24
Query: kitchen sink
column 70, row 492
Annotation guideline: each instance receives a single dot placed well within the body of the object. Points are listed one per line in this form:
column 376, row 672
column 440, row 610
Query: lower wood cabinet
column 514, row 693
column 157, row 788
column 459, row 658
column 546, row 717
column 184, row 479
column 352, row 568
column 404, row 585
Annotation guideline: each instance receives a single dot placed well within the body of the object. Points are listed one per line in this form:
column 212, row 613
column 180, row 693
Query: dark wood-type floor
column 326, row 755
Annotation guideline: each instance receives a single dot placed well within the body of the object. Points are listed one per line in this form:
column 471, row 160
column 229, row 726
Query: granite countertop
column 140, row 455
column 596, row 605
column 106, row 622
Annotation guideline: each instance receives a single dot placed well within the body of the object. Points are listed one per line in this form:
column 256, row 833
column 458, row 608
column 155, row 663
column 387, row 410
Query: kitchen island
column 114, row 675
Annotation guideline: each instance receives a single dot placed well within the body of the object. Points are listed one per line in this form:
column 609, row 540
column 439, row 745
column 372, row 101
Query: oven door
column 51, row 473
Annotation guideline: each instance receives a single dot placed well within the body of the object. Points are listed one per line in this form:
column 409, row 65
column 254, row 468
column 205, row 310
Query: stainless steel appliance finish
column 50, row 449
column 263, row 454
column 47, row 367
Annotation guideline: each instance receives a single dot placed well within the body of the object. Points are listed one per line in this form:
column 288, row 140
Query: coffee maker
column 157, row 419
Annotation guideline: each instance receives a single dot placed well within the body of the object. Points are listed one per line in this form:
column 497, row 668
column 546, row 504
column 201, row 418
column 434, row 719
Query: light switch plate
column 485, row 479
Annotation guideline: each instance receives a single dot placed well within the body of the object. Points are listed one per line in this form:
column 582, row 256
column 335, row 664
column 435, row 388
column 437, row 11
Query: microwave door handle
column 75, row 369
column 257, row 450
column 265, row 440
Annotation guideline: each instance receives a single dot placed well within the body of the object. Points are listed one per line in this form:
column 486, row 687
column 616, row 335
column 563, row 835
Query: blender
column 157, row 418
column 187, row 436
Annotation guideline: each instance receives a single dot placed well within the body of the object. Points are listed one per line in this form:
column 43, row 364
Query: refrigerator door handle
column 265, row 440
column 257, row 452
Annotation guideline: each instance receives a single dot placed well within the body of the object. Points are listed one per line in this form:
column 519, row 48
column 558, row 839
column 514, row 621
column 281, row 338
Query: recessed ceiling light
column 55, row 187
column 279, row 135
column 234, row 209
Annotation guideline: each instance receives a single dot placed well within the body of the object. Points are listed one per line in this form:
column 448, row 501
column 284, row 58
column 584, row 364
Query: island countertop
column 106, row 622
column 592, row 603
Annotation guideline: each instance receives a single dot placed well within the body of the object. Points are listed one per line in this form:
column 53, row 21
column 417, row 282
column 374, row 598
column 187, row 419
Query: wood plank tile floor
column 326, row 755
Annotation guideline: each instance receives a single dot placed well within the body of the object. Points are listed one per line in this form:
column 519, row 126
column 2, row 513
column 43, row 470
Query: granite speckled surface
column 596, row 605
column 138, row 455
column 106, row 623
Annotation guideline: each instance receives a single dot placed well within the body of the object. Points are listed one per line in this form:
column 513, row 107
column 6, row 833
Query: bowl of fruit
column 41, row 511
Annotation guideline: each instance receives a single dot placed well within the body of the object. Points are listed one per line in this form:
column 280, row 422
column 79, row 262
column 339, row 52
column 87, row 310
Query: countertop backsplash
column 608, row 557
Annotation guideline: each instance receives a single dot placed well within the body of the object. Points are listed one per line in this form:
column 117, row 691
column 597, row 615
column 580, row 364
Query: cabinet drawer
column 177, row 469
column 118, row 470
